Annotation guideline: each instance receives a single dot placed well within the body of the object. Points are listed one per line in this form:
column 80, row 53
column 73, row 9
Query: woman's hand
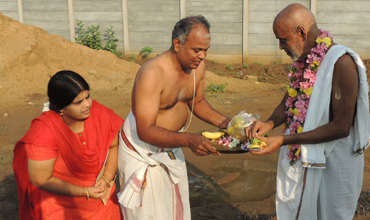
column 101, row 183
column 97, row 192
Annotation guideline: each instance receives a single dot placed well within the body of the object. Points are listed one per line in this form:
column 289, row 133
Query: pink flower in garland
column 298, row 74
column 289, row 102
column 295, row 125
column 298, row 65
column 305, row 85
column 300, row 104
column 311, row 76
column 297, row 102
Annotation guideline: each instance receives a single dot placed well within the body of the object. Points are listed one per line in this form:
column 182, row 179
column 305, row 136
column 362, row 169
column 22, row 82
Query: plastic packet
column 239, row 122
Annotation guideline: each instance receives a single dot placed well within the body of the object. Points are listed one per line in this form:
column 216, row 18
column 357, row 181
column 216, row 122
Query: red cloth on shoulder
column 48, row 131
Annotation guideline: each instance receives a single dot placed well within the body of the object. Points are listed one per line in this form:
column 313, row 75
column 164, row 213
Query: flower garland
column 300, row 90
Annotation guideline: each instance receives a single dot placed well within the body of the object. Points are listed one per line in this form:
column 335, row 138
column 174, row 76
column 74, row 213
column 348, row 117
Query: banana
column 213, row 135
column 258, row 145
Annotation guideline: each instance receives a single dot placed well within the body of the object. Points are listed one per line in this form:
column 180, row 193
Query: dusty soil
column 29, row 56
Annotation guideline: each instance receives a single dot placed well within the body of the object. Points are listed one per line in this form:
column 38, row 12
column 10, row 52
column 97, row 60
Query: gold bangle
column 87, row 194
column 107, row 180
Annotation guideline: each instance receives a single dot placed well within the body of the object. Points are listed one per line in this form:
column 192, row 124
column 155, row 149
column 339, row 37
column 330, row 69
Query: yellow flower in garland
column 294, row 111
column 300, row 129
column 290, row 146
column 292, row 92
column 326, row 40
column 298, row 152
column 308, row 91
column 316, row 64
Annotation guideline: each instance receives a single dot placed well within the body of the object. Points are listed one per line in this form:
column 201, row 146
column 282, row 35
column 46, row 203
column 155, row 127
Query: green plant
column 132, row 56
column 245, row 65
column 221, row 73
column 145, row 52
column 91, row 37
column 275, row 63
column 216, row 68
column 229, row 67
column 3, row 127
column 214, row 62
column 111, row 42
column 216, row 87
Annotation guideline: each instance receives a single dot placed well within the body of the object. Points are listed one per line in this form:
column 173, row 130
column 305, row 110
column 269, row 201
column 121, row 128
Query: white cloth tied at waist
column 132, row 194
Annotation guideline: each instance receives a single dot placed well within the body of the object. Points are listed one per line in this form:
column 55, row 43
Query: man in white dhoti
column 326, row 111
column 151, row 164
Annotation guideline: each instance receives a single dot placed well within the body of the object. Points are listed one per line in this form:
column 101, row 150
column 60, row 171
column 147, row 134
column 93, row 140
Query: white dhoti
column 154, row 183
column 326, row 182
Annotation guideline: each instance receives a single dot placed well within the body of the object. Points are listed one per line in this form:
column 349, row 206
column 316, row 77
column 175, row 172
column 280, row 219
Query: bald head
column 295, row 15
column 296, row 29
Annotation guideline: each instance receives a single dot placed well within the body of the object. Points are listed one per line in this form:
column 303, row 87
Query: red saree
column 78, row 163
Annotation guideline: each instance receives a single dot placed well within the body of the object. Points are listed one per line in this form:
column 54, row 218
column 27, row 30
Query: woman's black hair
column 64, row 87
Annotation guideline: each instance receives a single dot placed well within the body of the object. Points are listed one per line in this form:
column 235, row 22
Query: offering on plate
column 228, row 141
column 233, row 139
column 254, row 145
column 238, row 123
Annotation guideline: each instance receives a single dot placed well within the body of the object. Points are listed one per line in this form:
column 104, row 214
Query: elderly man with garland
column 326, row 113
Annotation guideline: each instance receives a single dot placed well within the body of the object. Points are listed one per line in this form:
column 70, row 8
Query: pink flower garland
column 300, row 91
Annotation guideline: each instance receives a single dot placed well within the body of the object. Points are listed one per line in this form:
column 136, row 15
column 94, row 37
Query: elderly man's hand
column 273, row 143
column 258, row 128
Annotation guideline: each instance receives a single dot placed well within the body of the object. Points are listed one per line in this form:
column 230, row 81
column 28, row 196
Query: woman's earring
column 61, row 113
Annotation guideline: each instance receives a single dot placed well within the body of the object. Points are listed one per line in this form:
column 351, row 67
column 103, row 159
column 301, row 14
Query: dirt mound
column 29, row 56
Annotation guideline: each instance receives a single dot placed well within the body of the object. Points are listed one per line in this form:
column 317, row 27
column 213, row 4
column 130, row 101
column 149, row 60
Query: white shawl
column 318, row 109
column 289, row 182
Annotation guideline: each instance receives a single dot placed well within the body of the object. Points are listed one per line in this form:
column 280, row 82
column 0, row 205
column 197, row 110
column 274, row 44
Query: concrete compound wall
column 241, row 29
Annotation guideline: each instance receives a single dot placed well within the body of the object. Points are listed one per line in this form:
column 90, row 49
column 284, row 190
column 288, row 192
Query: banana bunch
column 213, row 135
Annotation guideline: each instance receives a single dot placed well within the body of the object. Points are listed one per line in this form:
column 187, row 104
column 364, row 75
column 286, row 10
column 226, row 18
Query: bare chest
column 177, row 93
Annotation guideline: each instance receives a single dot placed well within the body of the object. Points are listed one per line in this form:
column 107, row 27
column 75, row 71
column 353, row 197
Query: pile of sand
column 29, row 56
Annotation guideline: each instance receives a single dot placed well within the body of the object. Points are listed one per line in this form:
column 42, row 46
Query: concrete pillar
column 182, row 9
column 126, row 43
column 20, row 11
column 313, row 7
column 71, row 13
column 245, row 30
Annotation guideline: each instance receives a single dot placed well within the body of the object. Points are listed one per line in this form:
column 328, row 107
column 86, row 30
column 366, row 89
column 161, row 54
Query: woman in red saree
column 58, row 161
